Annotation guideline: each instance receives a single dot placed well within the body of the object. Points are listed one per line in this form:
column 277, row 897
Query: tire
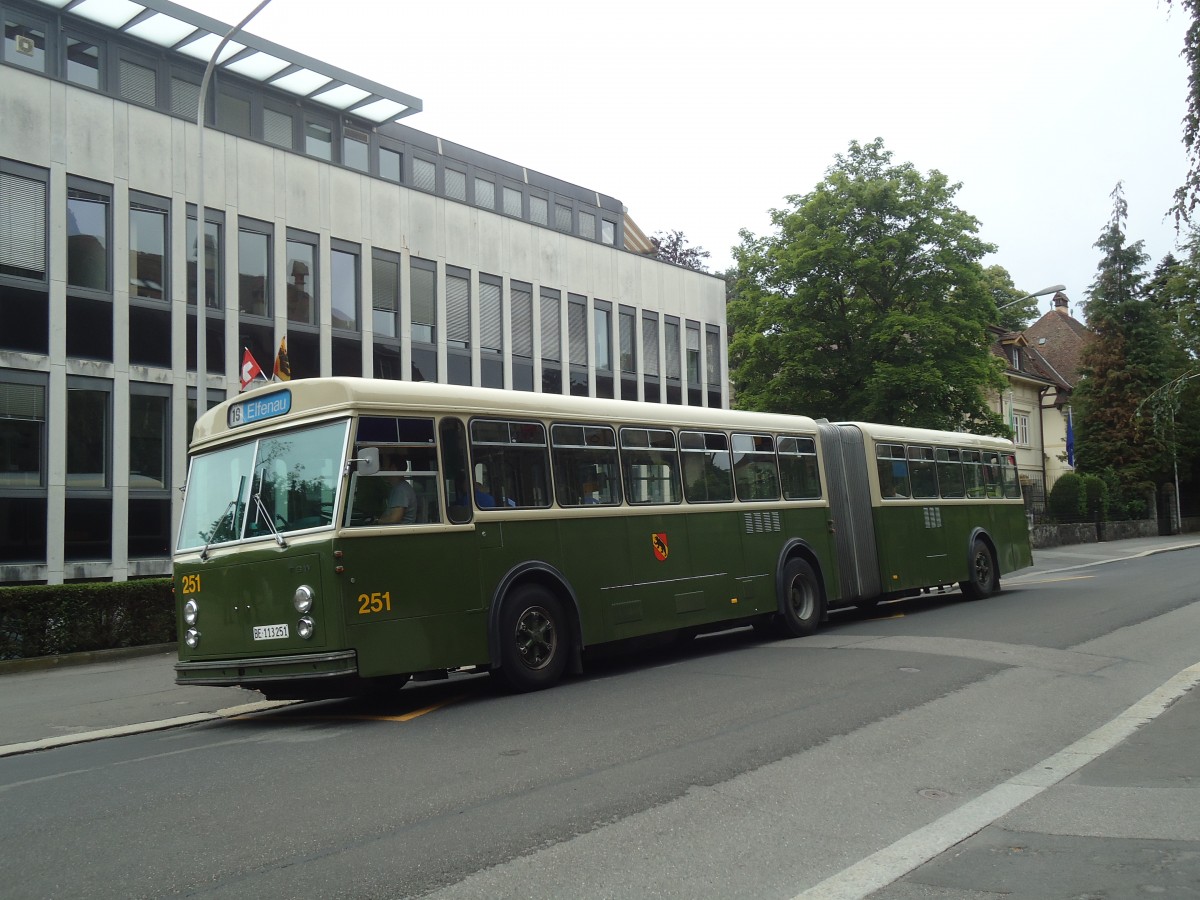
column 534, row 640
column 984, row 578
column 802, row 604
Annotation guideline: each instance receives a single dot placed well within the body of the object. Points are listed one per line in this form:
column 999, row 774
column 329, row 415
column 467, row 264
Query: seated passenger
column 401, row 506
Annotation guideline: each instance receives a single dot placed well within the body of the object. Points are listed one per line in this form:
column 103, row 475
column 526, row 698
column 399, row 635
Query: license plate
column 270, row 632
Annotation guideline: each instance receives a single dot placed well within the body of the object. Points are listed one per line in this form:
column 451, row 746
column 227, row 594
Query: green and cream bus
column 345, row 534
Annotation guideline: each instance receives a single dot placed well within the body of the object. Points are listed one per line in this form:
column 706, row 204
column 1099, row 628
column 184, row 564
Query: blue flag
column 1070, row 440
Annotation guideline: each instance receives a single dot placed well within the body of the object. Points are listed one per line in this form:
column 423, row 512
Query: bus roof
column 901, row 434
column 314, row 398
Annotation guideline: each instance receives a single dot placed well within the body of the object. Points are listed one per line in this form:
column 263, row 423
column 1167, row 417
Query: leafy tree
column 1000, row 285
column 868, row 302
column 1187, row 195
column 1125, row 364
column 671, row 246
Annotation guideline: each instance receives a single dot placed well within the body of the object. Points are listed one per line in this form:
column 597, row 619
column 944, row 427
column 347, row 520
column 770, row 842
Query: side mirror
column 367, row 461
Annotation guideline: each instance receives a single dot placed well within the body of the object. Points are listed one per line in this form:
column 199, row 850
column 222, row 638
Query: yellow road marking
column 409, row 716
column 334, row 717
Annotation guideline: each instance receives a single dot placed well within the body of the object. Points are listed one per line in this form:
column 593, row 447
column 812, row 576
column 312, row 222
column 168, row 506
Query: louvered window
column 671, row 340
column 22, row 434
column 22, row 226
column 424, row 175
column 562, row 217
column 577, row 332
column 423, row 283
column 491, row 336
column 458, row 311
column 587, row 226
column 627, row 339
column 485, row 193
column 538, row 211
column 385, row 295
column 277, row 128
column 512, row 202
column 456, row 184
column 551, row 325
column 693, row 354
column 185, row 99
column 521, row 298
column 712, row 341
column 140, row 84
column 650, row 344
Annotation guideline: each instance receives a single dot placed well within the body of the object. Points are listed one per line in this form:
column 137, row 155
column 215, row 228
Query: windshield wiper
column 217, row 527
column 262, row 510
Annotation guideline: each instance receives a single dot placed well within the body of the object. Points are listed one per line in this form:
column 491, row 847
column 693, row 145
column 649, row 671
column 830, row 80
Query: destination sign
column 257, row 409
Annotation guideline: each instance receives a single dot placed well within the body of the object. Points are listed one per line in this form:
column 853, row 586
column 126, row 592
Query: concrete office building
column 373, row 248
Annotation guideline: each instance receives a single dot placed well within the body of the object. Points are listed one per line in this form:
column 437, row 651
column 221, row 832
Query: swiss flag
column 250, row 368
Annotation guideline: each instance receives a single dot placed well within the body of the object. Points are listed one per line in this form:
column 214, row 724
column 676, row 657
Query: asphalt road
column 734, row 767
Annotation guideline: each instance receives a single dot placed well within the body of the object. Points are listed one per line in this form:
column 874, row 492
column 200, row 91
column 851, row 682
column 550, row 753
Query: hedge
column 53, row 619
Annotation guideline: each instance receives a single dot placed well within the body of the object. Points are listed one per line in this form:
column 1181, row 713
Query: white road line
column 121, row 730
column 882, row 868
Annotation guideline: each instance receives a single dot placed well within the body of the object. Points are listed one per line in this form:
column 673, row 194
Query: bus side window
column 922, row 472
column 707, row 467
column 586, row 471
column 650, row 466
column 798, row 469
column 455, row 470
column 950, row 472
column 510, row 463
column 754, row 469
column 893, row 471
column 973, row 472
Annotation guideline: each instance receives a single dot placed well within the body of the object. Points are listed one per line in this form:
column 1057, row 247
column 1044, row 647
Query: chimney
column 1060, row 303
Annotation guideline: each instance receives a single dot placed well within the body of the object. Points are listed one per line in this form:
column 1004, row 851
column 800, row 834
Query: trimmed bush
column 1095, row 498
column 48, row 620
column 1066, row 499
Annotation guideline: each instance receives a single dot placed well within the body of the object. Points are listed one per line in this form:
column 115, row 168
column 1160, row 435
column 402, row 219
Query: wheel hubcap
column 983, row 570
column 802, row 599
column 536, row 637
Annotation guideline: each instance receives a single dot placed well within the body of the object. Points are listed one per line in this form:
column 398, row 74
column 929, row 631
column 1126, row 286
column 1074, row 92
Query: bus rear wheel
column 984, row 579
column 533, row 639
column 802, row 606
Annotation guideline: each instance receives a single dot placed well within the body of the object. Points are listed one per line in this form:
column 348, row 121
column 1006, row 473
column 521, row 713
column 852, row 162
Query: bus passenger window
column 509, row 464
column 754, row 467
column 650, row 466
column 893, row 471
column 921, row 471
column 798, row 471
column 707, row 467
column 405, row 489
column 991, row 474
column 973, row 473
column 586, row 469
column 950, row 472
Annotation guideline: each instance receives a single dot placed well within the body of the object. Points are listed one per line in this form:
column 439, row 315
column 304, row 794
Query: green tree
column 1187, row 195
column 867, row 302
column 1125, row 364
column 672, row 247
column 1000, row 285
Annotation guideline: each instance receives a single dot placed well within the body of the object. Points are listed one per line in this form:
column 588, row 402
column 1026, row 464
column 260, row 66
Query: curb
column 64, row 660
column 1154, row 551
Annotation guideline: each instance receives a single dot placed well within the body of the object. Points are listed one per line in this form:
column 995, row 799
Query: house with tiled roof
column 1042, row 369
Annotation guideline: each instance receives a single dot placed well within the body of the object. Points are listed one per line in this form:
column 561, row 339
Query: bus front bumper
column 261, row 670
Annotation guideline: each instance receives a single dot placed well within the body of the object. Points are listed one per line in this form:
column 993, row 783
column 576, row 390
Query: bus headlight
column 303, row 600
column 305, row 627
column 192, row 638
column 190, row 609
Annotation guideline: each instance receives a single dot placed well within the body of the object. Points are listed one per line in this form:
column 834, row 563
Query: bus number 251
column 373, row 603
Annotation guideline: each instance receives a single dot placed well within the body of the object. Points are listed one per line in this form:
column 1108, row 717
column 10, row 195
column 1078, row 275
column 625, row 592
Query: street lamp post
column 201, row 221
column 1053, row 289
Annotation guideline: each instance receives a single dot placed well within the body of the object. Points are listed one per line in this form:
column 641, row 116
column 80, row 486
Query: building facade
column 371, row 248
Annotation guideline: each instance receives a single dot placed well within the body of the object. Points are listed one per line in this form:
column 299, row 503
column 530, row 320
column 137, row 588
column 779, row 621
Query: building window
column 212, row 260
column 278, row 128
column 577, row 344
column 137, row 83
column 692, row 363
column 458, row 308
column 1021, row 429
column 562, row 217
column 650, row 371
column 456, row 184
column 233, row 112
column 390, row 164
column 22, row 223
column 149, row 437
column 521, row 301
column 343, row 272
column 602, row 320
column 22, row 430
column 587, row 226
column 254, row 268
column 83, row 63
column 385, row 294
column 627, row 351
column 491, row 327
column 485, row 193
column 608, row 232
column 712, row 359
column 25, row 43
column 423, row 284
column 89, row 427
column 185, row 97
column 356, row 149
column 539, row 211
column 87, row 239
column 148, row 256
column 424, row 175
column 512, row 202
column 551, row 317
column 301, row 269
column 318, row 140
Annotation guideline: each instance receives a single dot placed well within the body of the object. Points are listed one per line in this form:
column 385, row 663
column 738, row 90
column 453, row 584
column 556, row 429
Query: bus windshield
column 270, row 485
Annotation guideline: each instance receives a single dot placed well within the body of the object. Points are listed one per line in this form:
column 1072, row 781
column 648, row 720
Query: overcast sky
column 703, row 116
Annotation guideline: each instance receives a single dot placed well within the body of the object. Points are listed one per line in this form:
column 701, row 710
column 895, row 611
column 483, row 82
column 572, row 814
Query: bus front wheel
column 984, row 580
column 533, row 639
column 800, row 614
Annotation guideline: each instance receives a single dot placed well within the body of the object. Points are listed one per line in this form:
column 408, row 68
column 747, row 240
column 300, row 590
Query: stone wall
column 1043, row 536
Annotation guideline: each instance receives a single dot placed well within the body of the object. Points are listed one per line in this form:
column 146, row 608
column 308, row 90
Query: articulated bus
column 340, row 535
